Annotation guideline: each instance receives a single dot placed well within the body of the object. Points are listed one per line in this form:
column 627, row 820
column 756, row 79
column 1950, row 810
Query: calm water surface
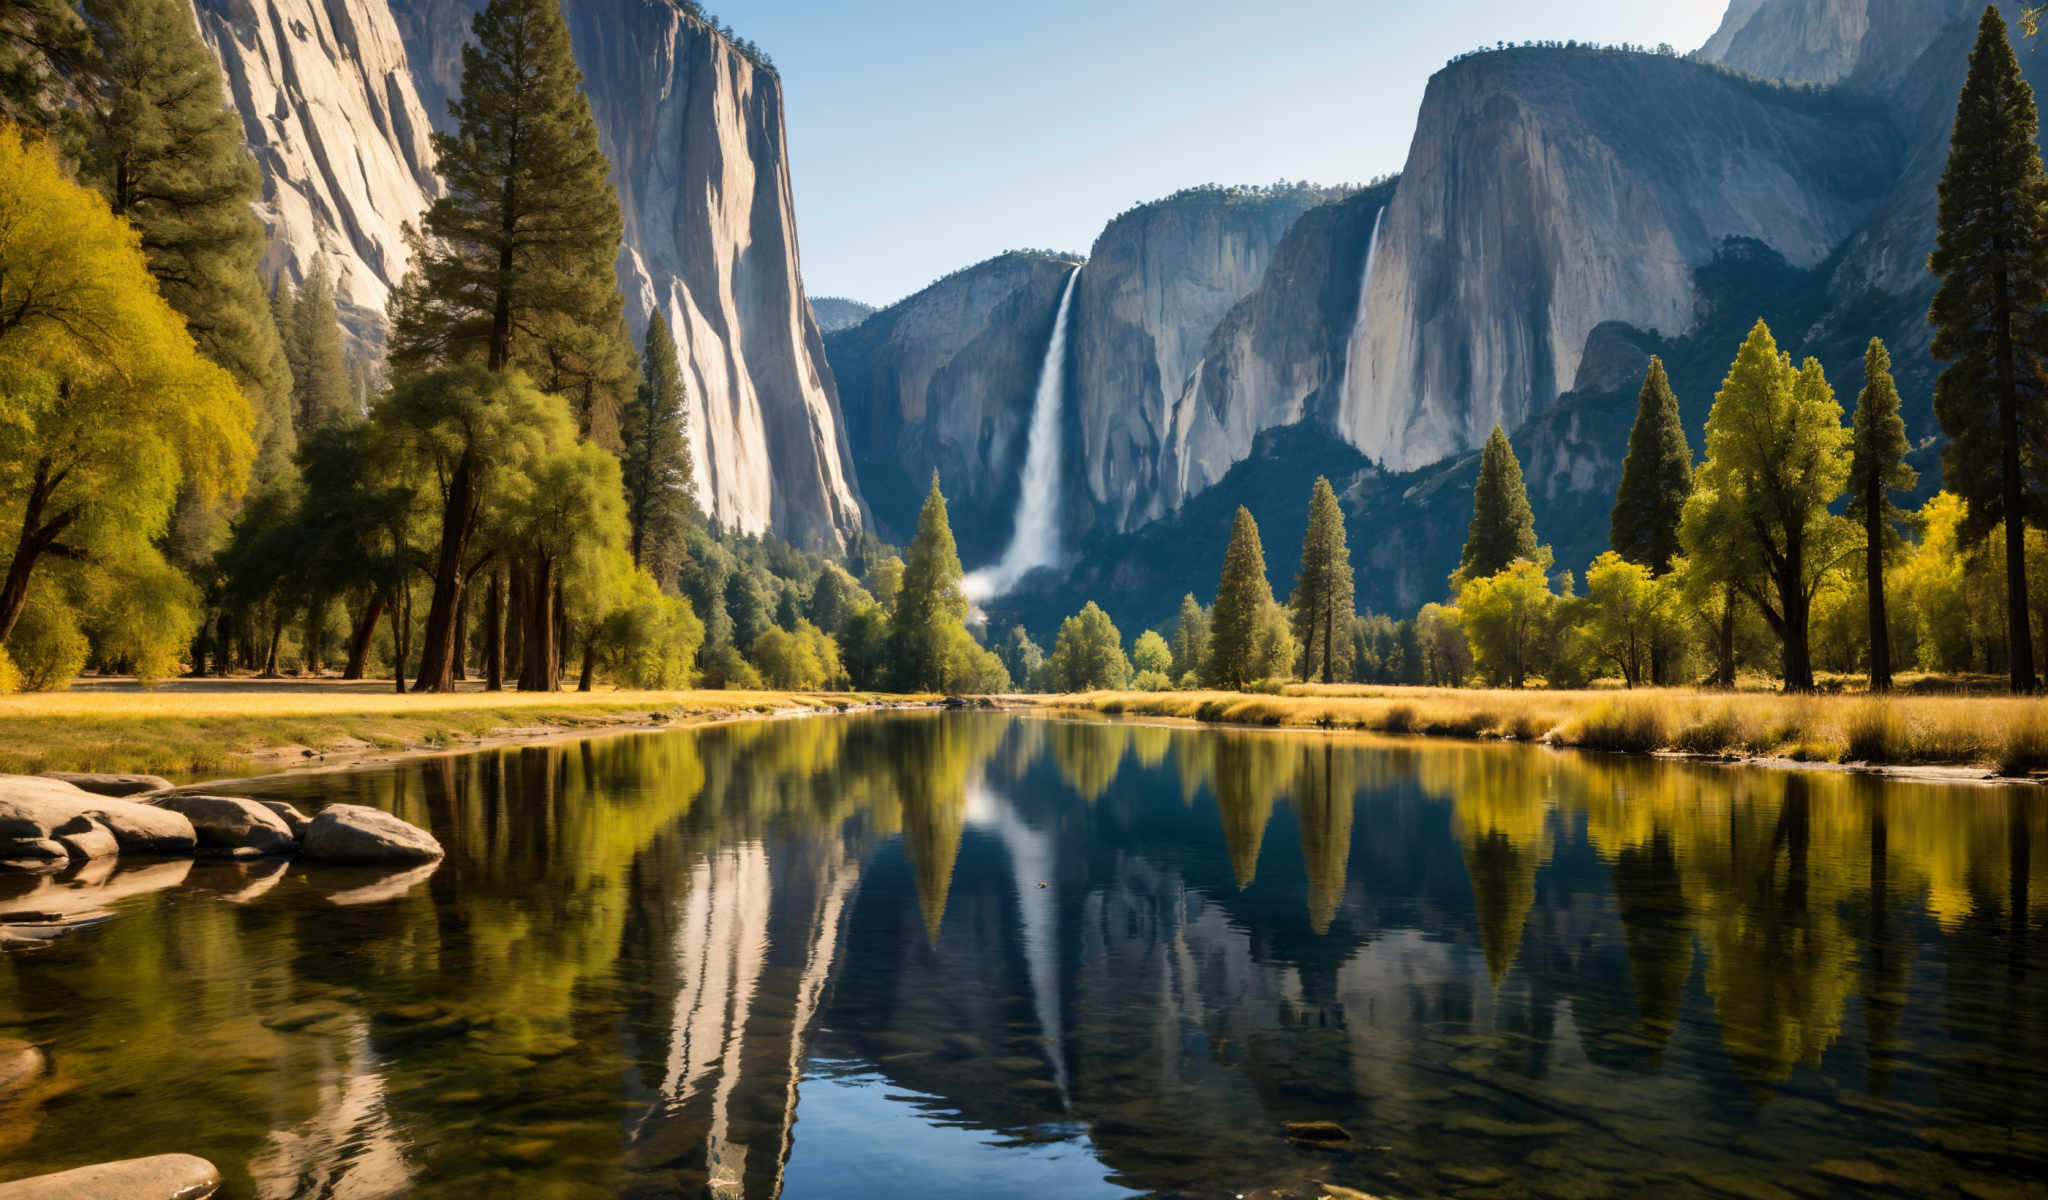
column 991, row 956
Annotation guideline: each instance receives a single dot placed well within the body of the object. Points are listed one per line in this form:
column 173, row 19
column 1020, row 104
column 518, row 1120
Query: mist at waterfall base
column 1036, row 542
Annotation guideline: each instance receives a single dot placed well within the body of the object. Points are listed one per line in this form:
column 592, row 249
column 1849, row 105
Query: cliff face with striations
column 1548, row 191
column 331, row 114
column 338, row 98
column 944, row 381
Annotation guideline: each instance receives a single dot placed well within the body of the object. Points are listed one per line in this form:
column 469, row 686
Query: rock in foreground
column 353, row 833
column 228, row 824
column 160, row 1177
column 110, row 785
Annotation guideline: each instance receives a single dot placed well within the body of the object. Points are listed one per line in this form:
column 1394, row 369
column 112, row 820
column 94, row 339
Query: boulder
column 144, row 828
column 33, row 854
column 294, row 820
column 21, row 1065
column 231, row 825
column 111, row 785
column 160, row 1177
column 353, row 833
column 85, row 839
column 33, row 808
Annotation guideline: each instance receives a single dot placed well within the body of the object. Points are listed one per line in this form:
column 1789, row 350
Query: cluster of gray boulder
column 52, row 822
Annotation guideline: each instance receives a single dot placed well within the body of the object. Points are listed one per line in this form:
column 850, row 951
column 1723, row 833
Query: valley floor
column 2003, row 735
column 188, row 728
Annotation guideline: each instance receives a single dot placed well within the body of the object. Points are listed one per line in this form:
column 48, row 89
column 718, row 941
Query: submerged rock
column 160, row 1177
column 294, row 820
column 1317, row 1131
column 353, row 833
column 110, row 785
column 240, row 828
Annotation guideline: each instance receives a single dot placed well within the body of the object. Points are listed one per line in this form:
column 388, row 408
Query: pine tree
column 44, row 54
column 1322, row 604
column 320, row 377
column 1503, row 527
column 1878, row 468
column 1243, row 596
column 168, row 154
column 659, row 479
column 1190, row 637
column 930, row 604
column 514, row 268
column 1656, row 477
column 1991, row 252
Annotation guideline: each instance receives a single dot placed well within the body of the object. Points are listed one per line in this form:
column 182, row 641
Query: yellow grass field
column 2005, row 734
column 181, row 731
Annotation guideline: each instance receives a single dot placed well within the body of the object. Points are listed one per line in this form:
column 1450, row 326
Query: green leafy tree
column 168, row 154
column 659, row 478
column 1505, row 616
column 1190, row 637
column 1777, row 457
column 1990, row 314
column 1021, row 656
column 835, row 598
column 651, row 640
column 1503, row 526
column 515, row 265
column 1445, row 651
column 1656, row 478
column 1322, row 604
column 1877, row 468
column 321, row 392
column 1088, row 656
column 107, row 408
column 564, row 518
column 1151, row 653
column 1627, row 616
column 1243, row 595
column 929, row 601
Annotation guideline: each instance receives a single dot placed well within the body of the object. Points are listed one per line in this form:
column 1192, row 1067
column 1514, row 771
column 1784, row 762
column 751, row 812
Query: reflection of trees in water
column 1325, row 791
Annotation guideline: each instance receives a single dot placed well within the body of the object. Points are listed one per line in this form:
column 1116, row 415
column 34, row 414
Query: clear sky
column 929, row 134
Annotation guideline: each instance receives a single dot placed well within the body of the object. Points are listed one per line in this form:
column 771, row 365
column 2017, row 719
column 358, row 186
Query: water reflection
column 785, row 957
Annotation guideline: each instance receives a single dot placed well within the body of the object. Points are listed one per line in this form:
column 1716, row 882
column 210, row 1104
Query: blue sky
column 929, row 134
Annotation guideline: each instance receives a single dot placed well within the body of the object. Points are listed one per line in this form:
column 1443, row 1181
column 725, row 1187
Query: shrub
column 1399, row 718
column 47, row 647
column 1874, row 733
column 2024, row 746
column 1151, row 681
column 1715, row 732
column 724, row 668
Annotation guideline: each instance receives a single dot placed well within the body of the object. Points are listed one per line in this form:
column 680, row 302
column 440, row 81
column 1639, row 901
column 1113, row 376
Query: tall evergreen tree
column 1877, row 468
column 931, row 604
column 44, row 55
column 168, row 154
column 1322, row 605
column 659, row 479
column 514, row 268
column 1190, row 637
column 1656, row 478
column 1243, row 596
column 320, row 377
column 1991, row 252
column 1503, row 526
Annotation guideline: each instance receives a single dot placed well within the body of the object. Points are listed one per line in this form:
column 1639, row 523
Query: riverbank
column 2004, row 736
column 180, row 732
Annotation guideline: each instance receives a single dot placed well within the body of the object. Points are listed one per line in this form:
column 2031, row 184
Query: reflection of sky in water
column 974, row 954
column 859, row 1135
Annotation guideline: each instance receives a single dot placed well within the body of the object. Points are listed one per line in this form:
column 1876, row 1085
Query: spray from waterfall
column 1036, row 541
column 1353, row 347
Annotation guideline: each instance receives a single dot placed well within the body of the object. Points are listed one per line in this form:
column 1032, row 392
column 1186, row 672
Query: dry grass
column 1995, row 732
column 175, row 732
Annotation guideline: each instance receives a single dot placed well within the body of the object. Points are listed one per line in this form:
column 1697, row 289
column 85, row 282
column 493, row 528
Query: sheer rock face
column 1549, row 191
column 945, row 381
column 330, row 111
column 339, row 96
column 1868, row 44
column 1159, row 281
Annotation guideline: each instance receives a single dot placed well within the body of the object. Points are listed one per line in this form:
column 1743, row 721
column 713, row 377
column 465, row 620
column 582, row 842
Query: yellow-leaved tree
column 106, row 409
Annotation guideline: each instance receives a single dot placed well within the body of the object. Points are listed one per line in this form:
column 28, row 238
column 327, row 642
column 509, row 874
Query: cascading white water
column 1352, row 347
column 1036, row 541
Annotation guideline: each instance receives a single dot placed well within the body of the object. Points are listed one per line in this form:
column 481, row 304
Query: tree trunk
column 458, row 521
column 494, row 634
column 589, row 663
column 560, row 634
column 1724, row 648
column 270, row 647
column 457, row 670
column 1873, row 566
column 398, row 646
column 2019, row 633
column 363, row 634
column 1796, row 614
column 537, row 636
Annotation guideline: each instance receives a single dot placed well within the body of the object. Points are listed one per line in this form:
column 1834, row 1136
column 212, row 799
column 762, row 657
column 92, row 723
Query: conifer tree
column 1243, row 596
column 1991, row 252
column 1322, row 604
column 320, row 376
column 1503, row 526
column 44, row 53
column 930, row 604
column 514, row 268
column 168, row 154
column 659, row 479
column 1190, row 637
column 1877, row 468
column 1656, row 477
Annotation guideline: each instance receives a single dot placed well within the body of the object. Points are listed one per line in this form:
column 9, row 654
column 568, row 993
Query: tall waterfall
column 1036, row 542
column 1352, row 347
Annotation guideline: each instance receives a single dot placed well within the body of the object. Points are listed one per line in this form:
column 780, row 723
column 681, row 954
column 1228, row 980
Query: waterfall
column 1036, row 542
column 1358, row 330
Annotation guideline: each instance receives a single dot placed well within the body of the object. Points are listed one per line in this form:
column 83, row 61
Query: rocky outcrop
column 111, row 785
column 231, row 826
column 1548, row 191
column 1868, row 44
column 1160, row 279
column 944, row 381
column 331, row 113
column 354, row 834
column 834, row 313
